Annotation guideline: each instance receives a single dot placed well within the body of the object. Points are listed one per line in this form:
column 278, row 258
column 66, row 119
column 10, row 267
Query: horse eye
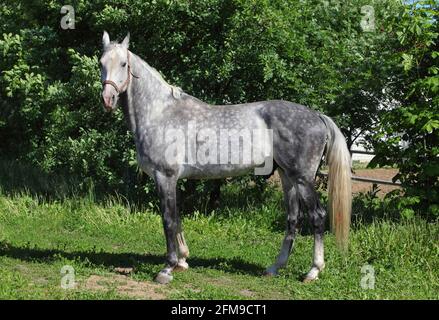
column 124, row 64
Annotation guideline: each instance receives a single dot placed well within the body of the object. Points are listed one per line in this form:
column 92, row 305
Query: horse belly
column 221, row 156
column 214, row 171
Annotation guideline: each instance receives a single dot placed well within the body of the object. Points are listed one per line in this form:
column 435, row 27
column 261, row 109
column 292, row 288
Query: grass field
column 115, row 251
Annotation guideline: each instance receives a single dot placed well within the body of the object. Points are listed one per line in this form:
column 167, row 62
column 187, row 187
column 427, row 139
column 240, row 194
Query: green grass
column 229, row 250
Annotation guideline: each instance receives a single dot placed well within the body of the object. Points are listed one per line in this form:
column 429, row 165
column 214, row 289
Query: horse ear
column 105, row 39
column 126, row 41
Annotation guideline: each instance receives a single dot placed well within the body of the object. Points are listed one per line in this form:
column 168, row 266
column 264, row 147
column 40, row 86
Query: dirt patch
column 125, row 286
column 192, row 289
column 247, row 293
column 124, row 271
column 382, row 174
column 229, row 283
column 221, row 281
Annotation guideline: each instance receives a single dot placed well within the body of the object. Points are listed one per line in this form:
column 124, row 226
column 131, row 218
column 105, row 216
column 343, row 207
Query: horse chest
column 144, row 159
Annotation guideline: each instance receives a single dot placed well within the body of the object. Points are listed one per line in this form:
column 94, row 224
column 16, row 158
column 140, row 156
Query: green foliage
column 313, row 52
column 229, row 251
column 408, row 133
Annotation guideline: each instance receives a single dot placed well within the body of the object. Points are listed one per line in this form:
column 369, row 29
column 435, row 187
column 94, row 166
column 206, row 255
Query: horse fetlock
column 171, row 260
column 319, row 265
column 182, row 265
column 271, row 271
column 312, row 275
column 163, row 278
column 184, row 252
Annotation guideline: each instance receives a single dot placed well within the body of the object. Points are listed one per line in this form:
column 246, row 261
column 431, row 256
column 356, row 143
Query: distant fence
column 364, row 179
column 363, row 152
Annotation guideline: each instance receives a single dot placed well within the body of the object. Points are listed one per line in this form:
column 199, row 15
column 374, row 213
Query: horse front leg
column 182, row 248
column 166, row 188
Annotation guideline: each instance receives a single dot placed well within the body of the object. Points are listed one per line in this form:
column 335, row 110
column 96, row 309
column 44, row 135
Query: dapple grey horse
column 163, row 118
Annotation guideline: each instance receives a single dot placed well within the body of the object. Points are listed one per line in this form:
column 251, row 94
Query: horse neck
column 147, row 96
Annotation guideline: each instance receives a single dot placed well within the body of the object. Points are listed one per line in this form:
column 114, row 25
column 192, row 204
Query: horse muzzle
column 109, row 98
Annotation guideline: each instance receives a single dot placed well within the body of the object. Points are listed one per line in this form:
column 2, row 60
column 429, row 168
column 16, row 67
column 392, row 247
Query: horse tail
column 339, row 183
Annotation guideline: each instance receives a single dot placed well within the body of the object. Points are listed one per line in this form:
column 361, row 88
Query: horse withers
column 178, row 136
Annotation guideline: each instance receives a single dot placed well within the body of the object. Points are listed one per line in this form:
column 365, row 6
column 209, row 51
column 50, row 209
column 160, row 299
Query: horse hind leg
column 317, row 217
column 293, row 217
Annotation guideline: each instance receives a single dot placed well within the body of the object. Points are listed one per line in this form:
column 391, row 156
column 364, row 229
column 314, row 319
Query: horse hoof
column 309, row 279
column 163, row 278
column 181, row 266
column 312, row 275
column 270, row 272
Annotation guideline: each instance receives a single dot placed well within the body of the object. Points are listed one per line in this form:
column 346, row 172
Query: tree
column 408, row 133
column 312, row 52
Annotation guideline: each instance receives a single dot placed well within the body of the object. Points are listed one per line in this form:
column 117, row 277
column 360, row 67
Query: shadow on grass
column 112, row 260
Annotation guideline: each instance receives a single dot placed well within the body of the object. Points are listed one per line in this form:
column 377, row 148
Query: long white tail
column 339, row 183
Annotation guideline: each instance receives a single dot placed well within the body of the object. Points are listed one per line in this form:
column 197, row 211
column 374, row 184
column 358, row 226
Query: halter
column 127, row 81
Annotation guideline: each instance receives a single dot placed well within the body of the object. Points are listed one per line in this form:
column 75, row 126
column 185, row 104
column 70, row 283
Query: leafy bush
column 312, row 52
column 408, row 133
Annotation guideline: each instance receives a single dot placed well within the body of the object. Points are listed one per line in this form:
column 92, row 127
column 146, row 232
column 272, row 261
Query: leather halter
column 127, row 81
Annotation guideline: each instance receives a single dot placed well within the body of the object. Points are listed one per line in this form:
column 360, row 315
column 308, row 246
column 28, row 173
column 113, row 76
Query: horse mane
column 177, row 92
